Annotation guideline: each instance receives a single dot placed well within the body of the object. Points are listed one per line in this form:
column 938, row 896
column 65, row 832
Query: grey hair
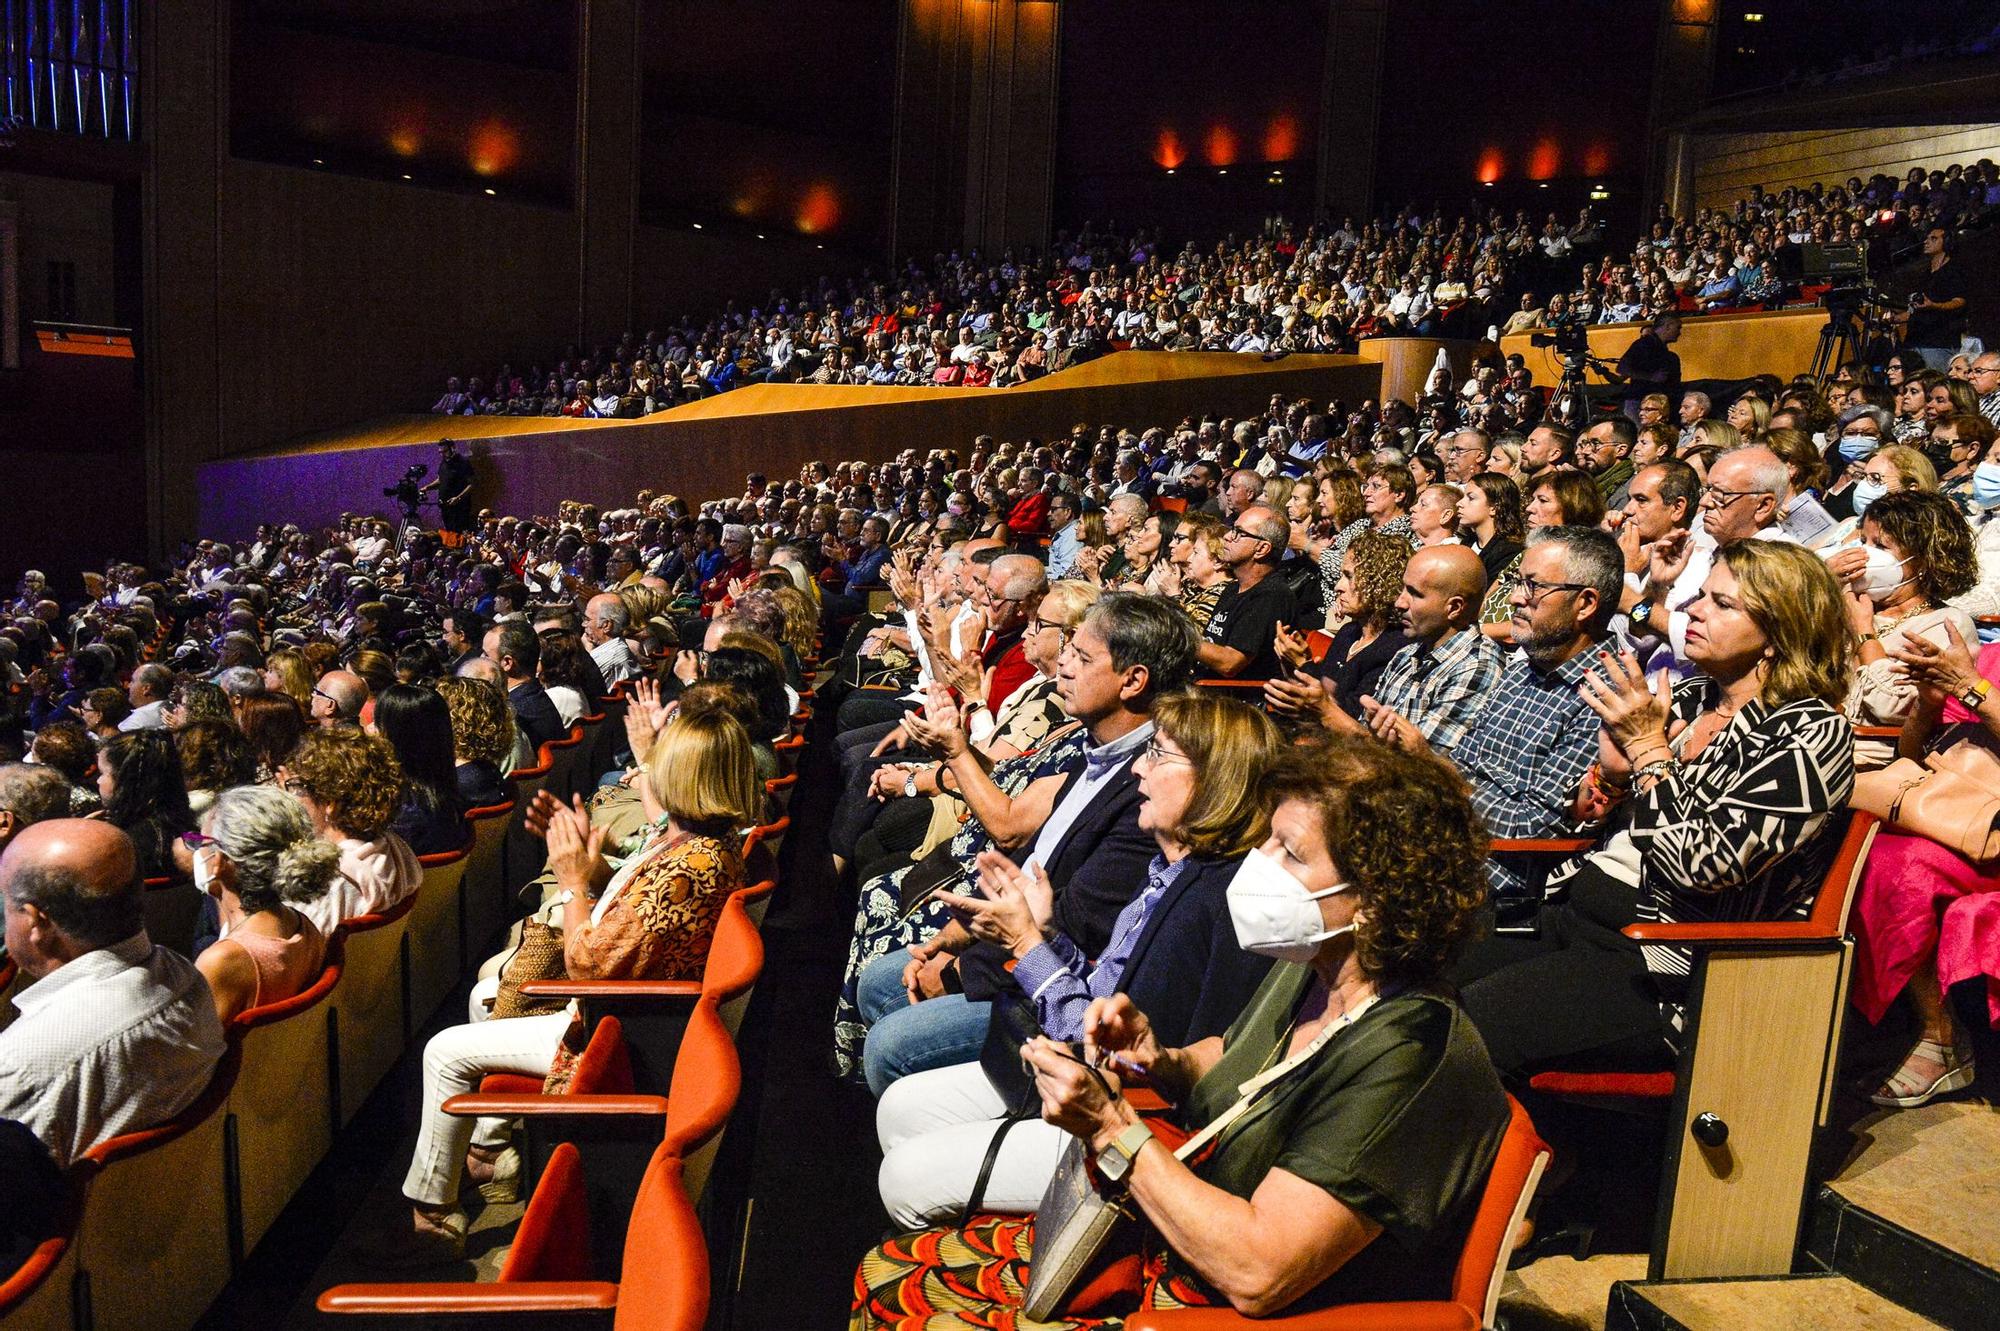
column 32, row 792
column 1276, row 530
column 1590, row 557
column 1151, row 631
column 269, row 837
column 616, row 617
column 1865, row 411
column 240, row 681
column 1768, row 474
column 1021, row 576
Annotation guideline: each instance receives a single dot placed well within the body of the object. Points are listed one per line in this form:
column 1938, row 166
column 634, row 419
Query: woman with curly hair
column 1371, row 578
column 139, row 780
column 352, row 786
column 1721, row 798
column 1914, row 555
column 1376, row 1107
column 482, row 739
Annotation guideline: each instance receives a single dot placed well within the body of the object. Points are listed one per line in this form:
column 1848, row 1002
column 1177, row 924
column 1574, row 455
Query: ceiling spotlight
column 319, row 161
column 1170, row 170
column 1543, row 185
column 760, row 235
column 406, row 175
column 697, row 226
column 490, row 190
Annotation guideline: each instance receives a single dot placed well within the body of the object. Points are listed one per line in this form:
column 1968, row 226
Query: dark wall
column 769, row 115
column 303, row 93
column 1555, row 93
column 1223, row 93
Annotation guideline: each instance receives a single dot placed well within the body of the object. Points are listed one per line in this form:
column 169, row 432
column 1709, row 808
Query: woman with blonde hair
column 1750, row 415
column 1173, row 951
column 650, row 919
column 1720, row 798
column 288, row 672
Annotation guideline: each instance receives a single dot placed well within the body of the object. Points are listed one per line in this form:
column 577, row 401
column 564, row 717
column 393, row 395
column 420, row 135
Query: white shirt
column 569, row 703
column 614, row 661
column 146, row 717
column 119, row 1039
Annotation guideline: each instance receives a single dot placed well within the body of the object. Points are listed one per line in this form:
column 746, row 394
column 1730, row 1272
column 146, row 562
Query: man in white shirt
column 148, row 696
column 116, row 1034
column 605, row 621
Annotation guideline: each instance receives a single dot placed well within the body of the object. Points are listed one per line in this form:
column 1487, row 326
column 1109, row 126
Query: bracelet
column 1606, row 786
column 1654, row 770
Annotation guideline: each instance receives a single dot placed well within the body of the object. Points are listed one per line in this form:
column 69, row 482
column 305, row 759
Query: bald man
column 338, row 698
column 116, row 1034
column 1434, row 687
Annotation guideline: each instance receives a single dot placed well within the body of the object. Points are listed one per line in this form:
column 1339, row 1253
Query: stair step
column 1790, row 1303
column 1915, row 1213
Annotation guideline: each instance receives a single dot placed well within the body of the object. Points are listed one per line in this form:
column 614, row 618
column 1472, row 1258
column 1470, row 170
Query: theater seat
column 1755, row 1078
column 172, row 908
column 1475, row 1281
column 153, row 1241
column 370, row 1013
column 436, row 933
column 663, row 1283
column 481, row 894
column 281, row 1110
column 38, row 1295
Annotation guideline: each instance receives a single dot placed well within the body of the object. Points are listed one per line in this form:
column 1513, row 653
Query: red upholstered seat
column 1634, row 1085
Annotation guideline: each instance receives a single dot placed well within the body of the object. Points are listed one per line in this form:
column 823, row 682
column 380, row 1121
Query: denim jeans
column 906, row 1037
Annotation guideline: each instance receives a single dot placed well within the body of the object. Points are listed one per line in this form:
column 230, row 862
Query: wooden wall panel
column 339, row 294
column 1727, row 165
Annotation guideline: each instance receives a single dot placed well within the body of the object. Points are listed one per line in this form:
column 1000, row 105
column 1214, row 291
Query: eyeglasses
column 1044, row 626
column 1715, row 496
column 1247, row 535
column 1155, row 755
column 1534, row 589
column 196, row 840
column 319, row 692
column 292, row 785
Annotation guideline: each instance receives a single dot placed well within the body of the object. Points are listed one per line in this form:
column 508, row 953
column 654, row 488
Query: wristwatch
column 910, row 784
column 1975, row 697
column 1115, row 1160
column 1640, row 613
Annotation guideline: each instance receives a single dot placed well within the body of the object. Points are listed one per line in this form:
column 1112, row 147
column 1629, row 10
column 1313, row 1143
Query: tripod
column 1837, row 345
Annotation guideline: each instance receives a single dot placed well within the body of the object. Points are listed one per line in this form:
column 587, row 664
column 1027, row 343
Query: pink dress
column 1919, row 900
column 285, row 967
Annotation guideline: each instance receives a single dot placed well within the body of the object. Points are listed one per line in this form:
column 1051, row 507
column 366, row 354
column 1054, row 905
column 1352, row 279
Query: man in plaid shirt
column 1526, row 749
column 1435, row 686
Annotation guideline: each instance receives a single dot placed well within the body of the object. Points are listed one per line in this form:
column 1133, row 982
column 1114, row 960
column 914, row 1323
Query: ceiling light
column 490, row 190
column 697, row 226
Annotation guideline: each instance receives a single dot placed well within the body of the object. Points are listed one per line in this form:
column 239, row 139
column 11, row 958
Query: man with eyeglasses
column 1985, row 380
column 337, row 699
column 1465, row 455
column 1064, row 510
column 1525, row 752
column 1606, row 453
column 1241, row 639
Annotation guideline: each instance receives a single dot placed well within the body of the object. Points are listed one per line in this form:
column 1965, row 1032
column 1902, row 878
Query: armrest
column 1350, row 1317
column 469, row 1299
column 613, row 989
column 1725, row 935
column 555, row 1106
column 1560, row 845
column 1878, row 732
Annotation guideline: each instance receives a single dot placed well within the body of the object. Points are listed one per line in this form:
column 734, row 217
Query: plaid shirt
column 1525, row 754
column 1439, row 690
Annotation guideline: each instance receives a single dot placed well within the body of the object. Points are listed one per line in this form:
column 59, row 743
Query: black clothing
column 1248, row 621
column 1355, row 675
column 1649, row 366
column 1495, row 555
column 535, row 713
column 455, row 479
column 432, row 829
column 481, row 785
column 1939, row 328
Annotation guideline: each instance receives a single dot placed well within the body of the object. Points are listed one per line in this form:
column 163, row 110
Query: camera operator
column 408, row 493
column 453, row 484
column 1936, row 318
column 1650, row 365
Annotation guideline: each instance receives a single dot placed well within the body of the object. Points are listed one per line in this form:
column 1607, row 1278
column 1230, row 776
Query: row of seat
column 147, row 1243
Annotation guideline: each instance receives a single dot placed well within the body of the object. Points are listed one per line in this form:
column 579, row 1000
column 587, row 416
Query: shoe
column 409, row 1242
column 1904, row 1090
column 505, row 1184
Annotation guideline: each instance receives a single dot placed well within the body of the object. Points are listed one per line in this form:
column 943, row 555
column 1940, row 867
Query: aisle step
column 1767, row 1303
column 1914, row 1213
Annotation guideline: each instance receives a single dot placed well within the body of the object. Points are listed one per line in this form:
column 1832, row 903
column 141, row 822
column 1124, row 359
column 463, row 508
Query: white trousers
column 935, row 1127
column 454, row 1062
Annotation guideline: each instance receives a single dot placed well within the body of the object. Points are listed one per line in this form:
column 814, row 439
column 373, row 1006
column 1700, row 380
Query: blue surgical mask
column 1866, row 493
column 1858, row 447
column 1986, row 485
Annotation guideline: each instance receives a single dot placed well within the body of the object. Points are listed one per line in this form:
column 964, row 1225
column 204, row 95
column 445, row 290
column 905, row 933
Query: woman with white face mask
column 260, row 859
column 1915, row 554
column 1374, row 1104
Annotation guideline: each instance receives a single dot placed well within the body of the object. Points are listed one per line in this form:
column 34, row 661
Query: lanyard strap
column 1248, row 1092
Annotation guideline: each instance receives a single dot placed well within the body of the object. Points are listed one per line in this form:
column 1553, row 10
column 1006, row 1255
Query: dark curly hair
column 1929, row 528
column 1374, row 564
column 1401, row 828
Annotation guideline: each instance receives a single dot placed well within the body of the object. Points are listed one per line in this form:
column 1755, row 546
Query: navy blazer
column 1186, row 972
column 1098, row 866
column 535, row 713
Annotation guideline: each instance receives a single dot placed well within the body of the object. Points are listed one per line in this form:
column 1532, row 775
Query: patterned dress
column 880, row 927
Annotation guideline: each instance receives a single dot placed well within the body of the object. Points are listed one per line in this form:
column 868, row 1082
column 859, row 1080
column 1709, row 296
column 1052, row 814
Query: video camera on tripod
column 409, row 492
column 1570, row 339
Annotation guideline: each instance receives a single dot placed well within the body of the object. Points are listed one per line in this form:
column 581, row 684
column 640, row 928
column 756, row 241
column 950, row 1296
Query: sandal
column 1905, row 1090
column 503, row 1185
column 415, row 1241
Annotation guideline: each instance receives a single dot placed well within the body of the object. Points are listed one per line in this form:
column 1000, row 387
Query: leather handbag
column 538, row 957
column 1952, row 797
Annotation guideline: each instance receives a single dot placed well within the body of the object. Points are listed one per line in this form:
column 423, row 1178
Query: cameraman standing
column 453, row 484
column 1935, row 320
column 1650, row 365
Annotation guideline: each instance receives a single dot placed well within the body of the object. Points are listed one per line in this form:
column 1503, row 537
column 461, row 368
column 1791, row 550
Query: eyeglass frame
column 1533, row 589
column 1155, row 755
column 1734, row 495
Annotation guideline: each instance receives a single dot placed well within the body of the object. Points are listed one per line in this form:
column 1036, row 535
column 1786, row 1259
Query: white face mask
column 1274, row 914
column 204, row 868
column 1883, row 575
